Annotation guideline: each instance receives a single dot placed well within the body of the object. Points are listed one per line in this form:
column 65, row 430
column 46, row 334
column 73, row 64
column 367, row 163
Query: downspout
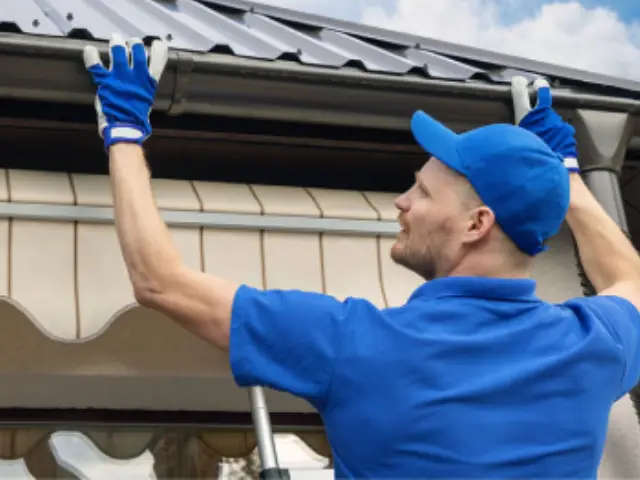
column 603, row 138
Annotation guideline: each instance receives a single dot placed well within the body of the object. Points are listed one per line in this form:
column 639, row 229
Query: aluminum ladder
column 269, row 468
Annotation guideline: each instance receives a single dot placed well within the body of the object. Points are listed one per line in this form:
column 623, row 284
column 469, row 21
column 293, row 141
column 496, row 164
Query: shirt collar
column 522, row 289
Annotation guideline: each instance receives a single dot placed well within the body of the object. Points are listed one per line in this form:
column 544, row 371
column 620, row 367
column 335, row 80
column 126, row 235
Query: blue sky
column 595, row 35
column 627, row 9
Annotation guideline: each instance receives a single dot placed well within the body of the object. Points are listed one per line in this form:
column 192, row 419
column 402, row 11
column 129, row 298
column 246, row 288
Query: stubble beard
column 419, row 262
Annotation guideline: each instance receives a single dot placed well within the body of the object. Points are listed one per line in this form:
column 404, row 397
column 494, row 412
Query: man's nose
column 402, row 202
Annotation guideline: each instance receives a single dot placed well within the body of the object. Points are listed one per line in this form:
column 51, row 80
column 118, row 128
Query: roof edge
column 214, row 84
column 431, row 44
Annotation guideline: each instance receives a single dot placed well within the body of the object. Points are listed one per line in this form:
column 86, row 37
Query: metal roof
column 247, row 29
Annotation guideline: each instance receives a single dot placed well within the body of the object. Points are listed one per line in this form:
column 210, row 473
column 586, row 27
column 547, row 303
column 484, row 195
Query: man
column 475, row 376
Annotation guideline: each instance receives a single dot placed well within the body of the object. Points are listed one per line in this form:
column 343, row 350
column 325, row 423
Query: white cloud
column 563, row 32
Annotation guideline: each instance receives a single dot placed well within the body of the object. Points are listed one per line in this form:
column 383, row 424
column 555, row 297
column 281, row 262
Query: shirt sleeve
column 622, row 320
column 289, row 340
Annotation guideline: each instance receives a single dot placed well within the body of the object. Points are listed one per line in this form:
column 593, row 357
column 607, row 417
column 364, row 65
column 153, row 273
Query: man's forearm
column 148, row 249
column 606, row 253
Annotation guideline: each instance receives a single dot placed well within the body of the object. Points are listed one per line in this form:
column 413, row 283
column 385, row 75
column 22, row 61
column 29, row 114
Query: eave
column 51, row 70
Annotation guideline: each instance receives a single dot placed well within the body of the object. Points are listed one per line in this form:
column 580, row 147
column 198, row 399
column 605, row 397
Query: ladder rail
column 269, row 468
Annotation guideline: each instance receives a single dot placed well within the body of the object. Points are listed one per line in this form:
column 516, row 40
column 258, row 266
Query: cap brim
column 437, row 140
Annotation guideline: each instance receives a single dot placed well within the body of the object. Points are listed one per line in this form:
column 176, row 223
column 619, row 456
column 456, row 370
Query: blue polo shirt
column 472, row 377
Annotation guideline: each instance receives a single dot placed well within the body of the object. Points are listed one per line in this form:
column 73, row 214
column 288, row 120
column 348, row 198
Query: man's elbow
column 147, row 294
column 150, row 290
column 198, row 302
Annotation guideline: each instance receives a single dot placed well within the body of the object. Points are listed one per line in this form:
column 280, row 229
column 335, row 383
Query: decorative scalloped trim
column 46, row 333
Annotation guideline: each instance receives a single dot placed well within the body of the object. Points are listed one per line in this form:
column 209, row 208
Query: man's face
column 434, row 218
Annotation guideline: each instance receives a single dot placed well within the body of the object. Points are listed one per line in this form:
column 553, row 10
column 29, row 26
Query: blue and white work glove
column 544, row 121
column 126, row 91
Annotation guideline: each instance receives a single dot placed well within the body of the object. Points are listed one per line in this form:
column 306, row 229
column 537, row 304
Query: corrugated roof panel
column 249, row 29
column 188, row 19
column 439, row 66
column 457, row 51
column 170, row 21
column 28, row 16
column 375, row 59
column 308, row 49
column 98, row 19
column 59, row 18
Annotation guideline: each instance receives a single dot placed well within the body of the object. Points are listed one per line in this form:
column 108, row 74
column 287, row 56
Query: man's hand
column 544, row 121
column 126, row 91
column 610, row 260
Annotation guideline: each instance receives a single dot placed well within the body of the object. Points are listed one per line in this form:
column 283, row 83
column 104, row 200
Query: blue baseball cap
column 513, row 172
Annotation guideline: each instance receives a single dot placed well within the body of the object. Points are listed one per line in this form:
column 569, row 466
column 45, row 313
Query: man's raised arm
column 199, row 302
column 609, row 259
column 287, row 340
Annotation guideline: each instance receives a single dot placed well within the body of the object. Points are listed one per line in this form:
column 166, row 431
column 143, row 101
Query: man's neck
column 494, row 266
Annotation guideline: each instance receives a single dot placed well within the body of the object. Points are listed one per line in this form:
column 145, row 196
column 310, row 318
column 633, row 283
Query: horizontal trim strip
column 80, row 213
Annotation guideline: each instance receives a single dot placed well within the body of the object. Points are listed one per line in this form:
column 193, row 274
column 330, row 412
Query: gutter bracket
column 603, row 138
column 184, row 62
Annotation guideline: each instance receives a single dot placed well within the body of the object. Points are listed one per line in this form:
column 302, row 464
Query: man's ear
column 481, row 220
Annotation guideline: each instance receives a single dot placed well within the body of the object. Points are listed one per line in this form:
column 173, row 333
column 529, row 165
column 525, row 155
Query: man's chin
column 401, row 256
column 397, row 252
